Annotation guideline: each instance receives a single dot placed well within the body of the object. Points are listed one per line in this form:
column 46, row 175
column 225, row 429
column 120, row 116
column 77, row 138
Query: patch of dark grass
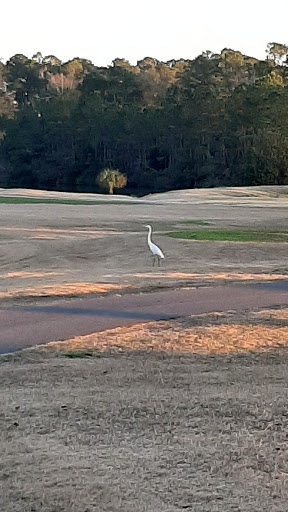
column 196, row 222
column 36, row 200
column 231, row 236
column 78, row 354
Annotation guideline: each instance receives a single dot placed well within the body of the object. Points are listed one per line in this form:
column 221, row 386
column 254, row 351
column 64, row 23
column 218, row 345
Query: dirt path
column 30, row 325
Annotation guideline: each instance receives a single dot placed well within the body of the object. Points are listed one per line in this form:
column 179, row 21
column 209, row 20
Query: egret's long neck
column 149, row 234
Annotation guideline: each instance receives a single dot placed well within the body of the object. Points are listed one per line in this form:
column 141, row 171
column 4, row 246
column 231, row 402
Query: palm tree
column 108, row 179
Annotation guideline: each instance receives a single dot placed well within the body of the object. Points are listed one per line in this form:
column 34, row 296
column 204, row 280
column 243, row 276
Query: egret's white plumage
column 156, row 251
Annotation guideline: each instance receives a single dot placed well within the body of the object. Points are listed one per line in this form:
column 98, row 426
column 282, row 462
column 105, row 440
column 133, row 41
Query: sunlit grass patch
column 63, row 290
column 207, row 334
column 235, row 235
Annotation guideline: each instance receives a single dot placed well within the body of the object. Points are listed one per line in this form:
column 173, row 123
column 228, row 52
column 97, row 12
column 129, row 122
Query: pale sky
column 104, row 30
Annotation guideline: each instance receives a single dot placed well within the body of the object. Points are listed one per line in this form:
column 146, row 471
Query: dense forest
column 219, row 119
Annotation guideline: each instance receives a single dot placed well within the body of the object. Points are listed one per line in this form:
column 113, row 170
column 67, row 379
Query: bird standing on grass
column 156, row 251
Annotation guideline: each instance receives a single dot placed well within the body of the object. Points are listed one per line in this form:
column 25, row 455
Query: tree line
column 216, row 120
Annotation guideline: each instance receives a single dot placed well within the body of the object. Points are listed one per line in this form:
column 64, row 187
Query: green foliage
column 231, row 236
column 109, row 179
column 277, row 53
column 220, row 119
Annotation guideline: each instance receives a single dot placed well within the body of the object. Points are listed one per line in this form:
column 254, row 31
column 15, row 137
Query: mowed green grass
column 235, row 235
column 36, row 200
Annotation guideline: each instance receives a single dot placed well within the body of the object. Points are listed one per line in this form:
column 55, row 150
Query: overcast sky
column 104, row 30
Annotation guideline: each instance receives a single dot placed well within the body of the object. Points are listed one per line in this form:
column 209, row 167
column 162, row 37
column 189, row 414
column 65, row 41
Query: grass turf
column 34, row 200
column 231, row 235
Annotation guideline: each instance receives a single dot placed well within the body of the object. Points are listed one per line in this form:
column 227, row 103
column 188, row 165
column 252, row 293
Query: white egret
column 156, row 251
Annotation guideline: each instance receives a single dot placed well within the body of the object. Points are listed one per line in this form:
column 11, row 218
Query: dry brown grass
column 28, row 275
column 219, row 333
column 106, row 243
column 147, row 281
column 165, row 337
column 54, row 233
column 68, row 289
column 162, row 417
column 270, row 314
column 214, row 276
column 168, row 416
